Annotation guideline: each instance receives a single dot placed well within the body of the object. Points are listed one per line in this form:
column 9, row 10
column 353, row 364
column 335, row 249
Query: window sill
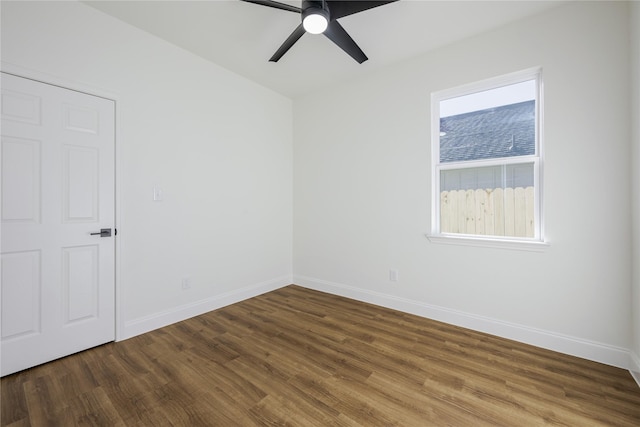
column 488, row 242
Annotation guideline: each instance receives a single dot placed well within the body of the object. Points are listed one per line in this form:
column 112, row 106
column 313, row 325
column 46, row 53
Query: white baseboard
column 634, row 366
column 590, row 350
column 177, row 314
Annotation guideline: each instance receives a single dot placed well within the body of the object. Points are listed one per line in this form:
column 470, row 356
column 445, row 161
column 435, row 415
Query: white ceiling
column 242, row 36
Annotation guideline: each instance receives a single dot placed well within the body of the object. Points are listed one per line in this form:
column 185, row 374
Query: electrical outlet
column 186, row 283
column 393, row 275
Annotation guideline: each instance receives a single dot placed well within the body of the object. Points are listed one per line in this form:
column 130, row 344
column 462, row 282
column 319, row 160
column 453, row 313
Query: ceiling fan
column 320, row 17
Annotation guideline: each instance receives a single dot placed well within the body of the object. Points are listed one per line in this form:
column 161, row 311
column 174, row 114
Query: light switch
column 157, row 193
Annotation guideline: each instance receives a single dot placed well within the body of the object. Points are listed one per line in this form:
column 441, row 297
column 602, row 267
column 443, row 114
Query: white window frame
column 535, row 243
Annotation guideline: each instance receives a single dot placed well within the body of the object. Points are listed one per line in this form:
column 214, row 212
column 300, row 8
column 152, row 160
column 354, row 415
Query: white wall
column 362, row 189
column 219, row 145
column 635, row 167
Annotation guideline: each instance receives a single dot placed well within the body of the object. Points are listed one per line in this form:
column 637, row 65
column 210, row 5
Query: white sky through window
column 504, row 95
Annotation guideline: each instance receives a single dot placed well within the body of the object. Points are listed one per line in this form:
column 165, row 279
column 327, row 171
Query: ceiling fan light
column 315, row 21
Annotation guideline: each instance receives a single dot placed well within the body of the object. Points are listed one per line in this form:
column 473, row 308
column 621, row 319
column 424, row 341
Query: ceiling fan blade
column 340, row 8
column 339, row 36
column 275, row 4
column 290, row 41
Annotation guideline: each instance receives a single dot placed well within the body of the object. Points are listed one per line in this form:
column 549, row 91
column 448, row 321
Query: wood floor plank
column 298, row 357
column 13, row 403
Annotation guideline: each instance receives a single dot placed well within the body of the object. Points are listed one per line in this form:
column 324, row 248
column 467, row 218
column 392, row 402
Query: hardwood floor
column 298, row 357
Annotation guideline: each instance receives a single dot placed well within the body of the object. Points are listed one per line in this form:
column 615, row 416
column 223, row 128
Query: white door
column 58, row 288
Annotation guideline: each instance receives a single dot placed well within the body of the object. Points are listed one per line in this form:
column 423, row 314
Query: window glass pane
column 490, row 124
column 490, row 201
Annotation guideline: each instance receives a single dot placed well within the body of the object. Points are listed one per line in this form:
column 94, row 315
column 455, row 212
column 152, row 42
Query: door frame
column 76, row 86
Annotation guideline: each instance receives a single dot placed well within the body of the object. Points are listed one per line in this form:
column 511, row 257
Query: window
column 486, row 160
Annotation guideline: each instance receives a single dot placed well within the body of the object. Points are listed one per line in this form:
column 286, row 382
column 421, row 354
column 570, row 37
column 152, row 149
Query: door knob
column 104, row 232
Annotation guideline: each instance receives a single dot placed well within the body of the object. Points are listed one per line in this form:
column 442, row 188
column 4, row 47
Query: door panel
column 58, row 289
column 80, row 186
column 21, row 294
column 80, row 283
column 20, row 163
column 21, row 107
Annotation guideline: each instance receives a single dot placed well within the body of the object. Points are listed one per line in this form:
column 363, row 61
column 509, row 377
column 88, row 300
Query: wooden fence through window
column 491, row 212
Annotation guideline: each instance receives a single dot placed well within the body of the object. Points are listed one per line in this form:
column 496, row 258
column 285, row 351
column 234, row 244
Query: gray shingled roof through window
column 504, row 131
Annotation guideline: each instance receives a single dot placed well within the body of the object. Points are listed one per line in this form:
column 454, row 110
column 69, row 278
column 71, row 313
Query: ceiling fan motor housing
column 313, row 7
